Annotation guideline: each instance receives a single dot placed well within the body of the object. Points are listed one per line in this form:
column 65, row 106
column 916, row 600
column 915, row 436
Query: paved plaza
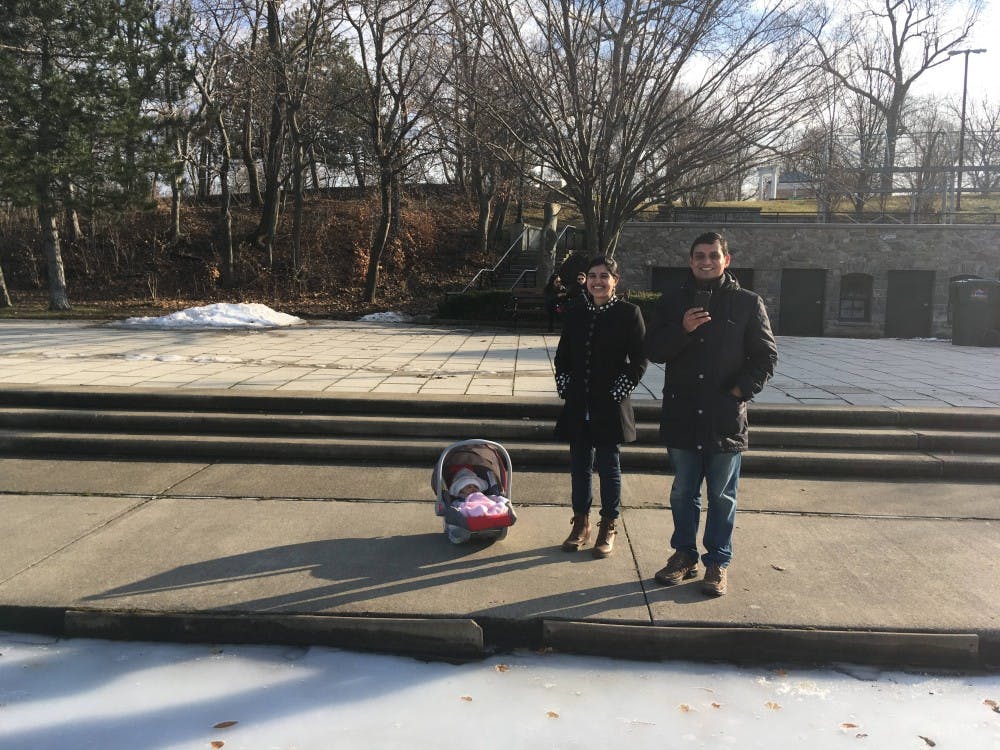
column 375, row 357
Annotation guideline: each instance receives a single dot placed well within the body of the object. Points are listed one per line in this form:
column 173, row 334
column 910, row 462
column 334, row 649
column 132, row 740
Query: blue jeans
column 584, row 457
column 721, row 473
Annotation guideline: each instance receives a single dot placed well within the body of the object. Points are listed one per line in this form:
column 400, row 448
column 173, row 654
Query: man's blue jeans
column 607, row 459
column 721, row 473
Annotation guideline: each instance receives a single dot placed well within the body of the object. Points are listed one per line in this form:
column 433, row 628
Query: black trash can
column 975, row 312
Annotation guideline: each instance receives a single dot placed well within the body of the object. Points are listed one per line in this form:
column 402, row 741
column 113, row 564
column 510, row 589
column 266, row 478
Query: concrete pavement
column 898, row 572
column 356, row 357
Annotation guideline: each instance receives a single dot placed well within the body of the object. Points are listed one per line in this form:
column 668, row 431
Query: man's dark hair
column 710, row 238
column 604, row 260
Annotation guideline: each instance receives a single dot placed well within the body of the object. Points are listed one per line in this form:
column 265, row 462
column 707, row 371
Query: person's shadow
column 449, row 579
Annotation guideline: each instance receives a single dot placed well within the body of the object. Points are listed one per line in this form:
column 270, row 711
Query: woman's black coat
column 600, row 359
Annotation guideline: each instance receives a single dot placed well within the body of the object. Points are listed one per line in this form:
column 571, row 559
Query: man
column 716, row 343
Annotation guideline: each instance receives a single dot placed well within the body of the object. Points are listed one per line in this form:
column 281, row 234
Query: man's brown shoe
column 605, row 538
column 679, row 567
column 579, row 535
column 715, row 582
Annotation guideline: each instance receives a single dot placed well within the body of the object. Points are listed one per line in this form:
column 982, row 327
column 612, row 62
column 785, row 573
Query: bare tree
column 629, row 102
column 883, row 46
column 399, row 50
column 983, row 141
column 216, row 53
column 930, row 154
column 476, row 161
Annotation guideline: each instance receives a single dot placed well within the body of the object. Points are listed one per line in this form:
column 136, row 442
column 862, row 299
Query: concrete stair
column 881, row 442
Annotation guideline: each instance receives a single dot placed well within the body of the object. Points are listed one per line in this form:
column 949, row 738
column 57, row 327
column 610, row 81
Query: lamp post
column 961, row 132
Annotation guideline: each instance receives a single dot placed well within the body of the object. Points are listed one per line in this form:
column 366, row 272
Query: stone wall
column 947, row 250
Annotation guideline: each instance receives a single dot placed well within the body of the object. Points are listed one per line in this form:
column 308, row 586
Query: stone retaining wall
column 947, row 250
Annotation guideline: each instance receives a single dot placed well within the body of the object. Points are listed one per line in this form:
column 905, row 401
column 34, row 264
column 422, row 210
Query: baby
column 469, row 486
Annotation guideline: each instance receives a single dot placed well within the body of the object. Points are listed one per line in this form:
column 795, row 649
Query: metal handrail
column 523, row 273
column 499, row 263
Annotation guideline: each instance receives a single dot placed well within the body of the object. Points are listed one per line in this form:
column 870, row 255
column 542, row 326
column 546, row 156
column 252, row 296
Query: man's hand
column 695, row 317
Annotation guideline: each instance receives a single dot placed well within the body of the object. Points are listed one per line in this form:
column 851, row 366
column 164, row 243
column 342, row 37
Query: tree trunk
column 379, row 240
column 249, row 165
column 175, row 210
column 204, row 183
column 547, row 259
column 4, row 296
column 275, row 142
column 224, row 225
column 58, row 299
column 298, row 191
column 395, row 211
column 483, row 223
column 500, row 215
column 72, row 216
column 359, row 172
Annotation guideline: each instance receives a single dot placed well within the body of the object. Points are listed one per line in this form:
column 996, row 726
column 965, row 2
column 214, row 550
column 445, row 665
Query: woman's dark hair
column 603, row 260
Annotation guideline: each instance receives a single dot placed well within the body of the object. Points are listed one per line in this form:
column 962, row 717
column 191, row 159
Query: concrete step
column 526, row 428
column 502, row 407
column 822, row 441
column 410, row 451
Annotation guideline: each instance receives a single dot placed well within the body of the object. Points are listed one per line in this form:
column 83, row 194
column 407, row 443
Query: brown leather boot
column 579, row 535
column 605, row 538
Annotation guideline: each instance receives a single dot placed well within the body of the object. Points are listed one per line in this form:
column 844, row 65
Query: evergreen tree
column 76, row 81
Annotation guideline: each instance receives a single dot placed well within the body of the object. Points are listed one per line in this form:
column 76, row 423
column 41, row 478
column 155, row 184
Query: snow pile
column 220, row 315
column 386, row 317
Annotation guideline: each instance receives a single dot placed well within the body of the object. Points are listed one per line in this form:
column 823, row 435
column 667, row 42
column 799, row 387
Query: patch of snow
column 219, row 315
column 386, row 317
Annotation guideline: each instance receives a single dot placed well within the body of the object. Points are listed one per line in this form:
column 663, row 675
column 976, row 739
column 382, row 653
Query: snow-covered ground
column 78, row 694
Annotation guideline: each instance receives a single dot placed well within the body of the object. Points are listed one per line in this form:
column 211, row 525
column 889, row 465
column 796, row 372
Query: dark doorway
column 908, row 304
column 666, row 279
column 803, row 297
column 744, row 276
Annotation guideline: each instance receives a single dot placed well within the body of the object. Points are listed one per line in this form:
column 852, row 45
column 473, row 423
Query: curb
column 463, row 639
column 757, row 645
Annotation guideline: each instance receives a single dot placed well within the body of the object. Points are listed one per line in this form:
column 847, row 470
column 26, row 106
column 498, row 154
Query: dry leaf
column 776, row 567
column 928, row 740
column 716, row 705
column 684, row 707
column 992, row 704
column 467, row 698
column 224, row 724
column 773, row 706
column 552, row 715
column 217, row 744
column 848, row 725
column 501, row 667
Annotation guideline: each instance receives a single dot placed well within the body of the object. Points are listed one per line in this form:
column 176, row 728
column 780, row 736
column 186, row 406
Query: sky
column 945, row 80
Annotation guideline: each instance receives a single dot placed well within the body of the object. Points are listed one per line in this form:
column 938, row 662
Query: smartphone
column 702, row 298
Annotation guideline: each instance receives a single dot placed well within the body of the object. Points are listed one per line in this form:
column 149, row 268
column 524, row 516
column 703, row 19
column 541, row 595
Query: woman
column 600, row 359
column 554, row 295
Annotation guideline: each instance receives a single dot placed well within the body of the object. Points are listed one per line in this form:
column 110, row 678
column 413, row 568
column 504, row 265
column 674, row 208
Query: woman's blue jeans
column 721, row 473
column 584, row 458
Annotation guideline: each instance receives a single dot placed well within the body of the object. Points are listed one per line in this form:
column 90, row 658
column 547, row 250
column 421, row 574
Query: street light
column 961, row 132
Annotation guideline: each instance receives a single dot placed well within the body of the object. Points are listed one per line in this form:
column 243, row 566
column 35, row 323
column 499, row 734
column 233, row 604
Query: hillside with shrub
column 127, row 266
